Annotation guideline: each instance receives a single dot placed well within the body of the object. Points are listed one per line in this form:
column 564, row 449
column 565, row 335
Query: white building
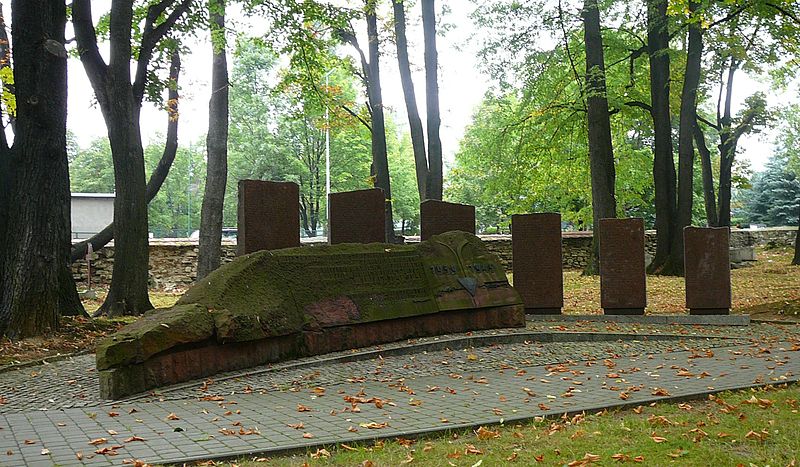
column 91, row 212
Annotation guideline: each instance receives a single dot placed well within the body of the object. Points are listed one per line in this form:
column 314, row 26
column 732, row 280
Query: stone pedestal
column 538, row 275
column 707, row 270
column 438, row 217
column 623, row 284
column 269, row 216
column 357, row 217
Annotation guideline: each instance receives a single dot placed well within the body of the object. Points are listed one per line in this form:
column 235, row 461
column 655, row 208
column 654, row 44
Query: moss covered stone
column 300, row 292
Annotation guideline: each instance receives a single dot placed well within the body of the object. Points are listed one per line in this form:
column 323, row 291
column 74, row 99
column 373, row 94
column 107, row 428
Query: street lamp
column 327, row 157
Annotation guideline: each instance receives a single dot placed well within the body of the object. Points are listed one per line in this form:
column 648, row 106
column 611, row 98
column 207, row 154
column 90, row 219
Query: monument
column 623, row 281
column 269, row 216
column 357, row 217
column 707, row 270
column 538, row 275
column 437, row 217
column 275, row 305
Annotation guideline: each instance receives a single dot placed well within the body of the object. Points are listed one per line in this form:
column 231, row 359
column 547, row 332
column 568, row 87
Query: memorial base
column 709, row 311
column 623, row 311
column 202, row 359
column 543, row 311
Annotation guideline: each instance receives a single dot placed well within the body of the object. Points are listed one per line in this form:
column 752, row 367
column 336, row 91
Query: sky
column 461, row 84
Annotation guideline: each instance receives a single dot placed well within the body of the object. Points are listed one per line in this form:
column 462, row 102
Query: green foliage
column 7, row 98
column 775, row 197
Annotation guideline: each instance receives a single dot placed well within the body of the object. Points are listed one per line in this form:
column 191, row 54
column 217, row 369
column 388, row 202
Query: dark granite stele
column 707, row 270
column 276, row 305
column 623, row 280
column 268, row 216
column 538, row 271
column 357, row 217
column 438, row 217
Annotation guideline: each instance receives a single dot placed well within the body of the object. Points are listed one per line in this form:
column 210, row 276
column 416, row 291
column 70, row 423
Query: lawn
column 749, row 428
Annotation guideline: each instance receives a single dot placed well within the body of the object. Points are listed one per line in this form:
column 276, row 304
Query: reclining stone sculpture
column 281, row 304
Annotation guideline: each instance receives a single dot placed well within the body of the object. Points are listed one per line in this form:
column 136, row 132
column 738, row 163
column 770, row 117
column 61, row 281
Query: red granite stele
column 269, row 216
column 438, row 217
column 707, row 270
column 623, row 283
column 538, row 274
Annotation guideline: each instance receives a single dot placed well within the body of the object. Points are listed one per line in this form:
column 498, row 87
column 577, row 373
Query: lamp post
column 327, row 157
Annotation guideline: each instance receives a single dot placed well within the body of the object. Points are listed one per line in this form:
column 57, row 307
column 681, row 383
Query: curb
column 689, row 320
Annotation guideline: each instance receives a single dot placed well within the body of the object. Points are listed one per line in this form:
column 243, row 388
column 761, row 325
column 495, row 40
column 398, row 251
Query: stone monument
column 623, row 281
column 707, row 270
column 357, row 217
column 538, row 275
column 269, row 216
column 276, row 305
column 437, row 217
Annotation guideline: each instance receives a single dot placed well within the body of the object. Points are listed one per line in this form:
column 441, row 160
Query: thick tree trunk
column 127, row 294
column 414, row 121
column 685, row 139
column 36, row 249
column 380, row 160
column 435, row 181
column 601, row 152
column 708, row 177
column 210, row 250
column 102, row 238
column 663, row 163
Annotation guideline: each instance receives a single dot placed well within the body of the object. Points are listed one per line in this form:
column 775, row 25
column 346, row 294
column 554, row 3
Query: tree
column 35, row 283
column 371, row 74
column 409, row 95
column 775, row 196
column 434, row 185
column 601, row 153
column 663, row 162
column 210, row 249
column 120, row 101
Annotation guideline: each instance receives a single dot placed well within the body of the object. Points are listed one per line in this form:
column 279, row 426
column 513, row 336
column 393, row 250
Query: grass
column 750, row 427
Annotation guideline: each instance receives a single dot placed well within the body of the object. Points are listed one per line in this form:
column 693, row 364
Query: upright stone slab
column 438, row 217
column 269, row 216
column 538, row 275
column 357, row 217
column 707, row 270
column 623, row 284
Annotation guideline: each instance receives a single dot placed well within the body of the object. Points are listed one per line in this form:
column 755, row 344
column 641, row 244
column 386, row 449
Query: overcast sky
column 461, row 86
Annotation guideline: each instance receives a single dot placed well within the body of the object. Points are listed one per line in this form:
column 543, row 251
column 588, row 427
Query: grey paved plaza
column 52, row 411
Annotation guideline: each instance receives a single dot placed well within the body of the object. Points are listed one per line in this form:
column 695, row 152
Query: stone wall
column 173, row 264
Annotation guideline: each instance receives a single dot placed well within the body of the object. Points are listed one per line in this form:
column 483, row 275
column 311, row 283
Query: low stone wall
column 173, row 263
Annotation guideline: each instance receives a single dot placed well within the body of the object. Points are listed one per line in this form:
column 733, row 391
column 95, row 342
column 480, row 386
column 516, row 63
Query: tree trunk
column 796, row 260
column 727, row 151
column 380, row 160
column 210, row 249
column 435, row 181
column 663, row 163
column 414, row 121
column 688, row 116
column 127, row 294
column 36, row 248
column 601, row 152
column 708, row 177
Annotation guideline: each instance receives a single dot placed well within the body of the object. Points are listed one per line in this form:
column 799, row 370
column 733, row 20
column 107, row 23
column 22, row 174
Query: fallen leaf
column 172, row 416
column 658, row 439
column 320, row 453
column 134, row 438
column 374, row 425
column 112, row 432
column 471, row 449
column 660, row 392
column 307, row 435
column 94, row 442
column 45, row 452
column 347, row 447
column 483, row 433
column 303, row 408
column 296, row 426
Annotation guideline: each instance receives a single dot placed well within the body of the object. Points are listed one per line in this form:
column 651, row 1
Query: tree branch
column 151, row 35
column 86, row 37
column 785, row 12
column 700, row 118
column 359, row 117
